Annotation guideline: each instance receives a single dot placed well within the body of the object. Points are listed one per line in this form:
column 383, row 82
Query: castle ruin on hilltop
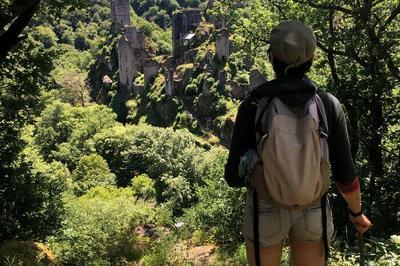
column 134, row 58
column 200, row 52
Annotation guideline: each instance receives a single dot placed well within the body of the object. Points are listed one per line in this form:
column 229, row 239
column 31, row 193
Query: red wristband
column 348, row 187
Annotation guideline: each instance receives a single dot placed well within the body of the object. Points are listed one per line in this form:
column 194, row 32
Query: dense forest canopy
column 101, row 173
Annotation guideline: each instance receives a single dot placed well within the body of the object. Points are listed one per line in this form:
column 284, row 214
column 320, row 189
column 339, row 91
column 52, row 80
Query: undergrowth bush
column 143, row 187
column 218, row 212
column 91, row 171
column 99, row 227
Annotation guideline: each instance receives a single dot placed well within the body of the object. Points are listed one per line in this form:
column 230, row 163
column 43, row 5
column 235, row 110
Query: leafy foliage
column 74, row 89
column 91, row 171
column 161, row 39
column 143, row 187
column 62, row 128
column 160, row 11
column 38, row 208
column 170, row 175
column 26, row 197
column 218, row 213
column 99, row 227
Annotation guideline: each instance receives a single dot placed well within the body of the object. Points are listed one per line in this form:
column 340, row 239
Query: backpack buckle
column 322, row 134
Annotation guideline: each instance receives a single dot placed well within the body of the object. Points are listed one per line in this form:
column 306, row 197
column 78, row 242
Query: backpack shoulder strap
column 262, row 107
column 322, row 113
column 261, row 126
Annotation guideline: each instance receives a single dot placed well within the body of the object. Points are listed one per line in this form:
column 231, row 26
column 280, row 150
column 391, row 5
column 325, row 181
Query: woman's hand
column 361, row 223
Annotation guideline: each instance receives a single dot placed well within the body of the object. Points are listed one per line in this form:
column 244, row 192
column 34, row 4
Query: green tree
column 218, row 211
column 74, row 89
column 34, row 208
column 17, row 14
column 54, row 127
column 25, row 194
column 143, row 187
column 64, row 132
column 177, row 193
column 99, row 228
column 22, row 74
column 113, row 145
column 91, row 171
column 45, row 35
column 131, row 150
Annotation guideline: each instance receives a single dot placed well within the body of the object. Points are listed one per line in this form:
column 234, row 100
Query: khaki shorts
column 275, row 224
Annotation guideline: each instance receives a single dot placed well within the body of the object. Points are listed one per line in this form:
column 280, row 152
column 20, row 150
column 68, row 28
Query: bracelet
column 355, row 214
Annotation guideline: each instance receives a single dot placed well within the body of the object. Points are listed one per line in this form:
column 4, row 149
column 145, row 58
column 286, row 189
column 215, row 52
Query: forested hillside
column 97, row 169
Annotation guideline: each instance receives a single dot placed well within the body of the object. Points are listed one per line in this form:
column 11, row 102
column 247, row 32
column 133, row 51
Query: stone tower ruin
column 126, row 62
column 135, row 37
column 131, row 48
column 184, row 23
column 132, row 54
column 222, row 44
column 120, row 12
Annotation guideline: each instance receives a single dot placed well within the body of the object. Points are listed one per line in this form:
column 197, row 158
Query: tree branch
column 327, row 50
column 393, row 15
column 393, row 69
column 389, row 19
column 326, row 6
column 14, row 10
column 382, row 50
column 351, row 53
column 11, row 36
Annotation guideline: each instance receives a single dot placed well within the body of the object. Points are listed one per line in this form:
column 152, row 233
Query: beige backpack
column 292, row 143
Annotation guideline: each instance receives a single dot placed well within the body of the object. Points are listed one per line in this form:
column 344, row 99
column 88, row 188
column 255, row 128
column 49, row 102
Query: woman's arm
column 352, row 195
column 343, row 169
column 243, row 139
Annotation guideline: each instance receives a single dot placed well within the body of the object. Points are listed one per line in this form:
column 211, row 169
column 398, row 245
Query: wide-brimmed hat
column 293, row 43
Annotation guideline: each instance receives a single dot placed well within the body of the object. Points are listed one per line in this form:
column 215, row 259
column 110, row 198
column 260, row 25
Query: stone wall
column 135, row 37
column 183, row 22
column 127, row 63
column 150, row 69
column 222, row 77
column 140, row 55
column 131, row 55
column 120, row 12
column 222, row 45
column 169, row 82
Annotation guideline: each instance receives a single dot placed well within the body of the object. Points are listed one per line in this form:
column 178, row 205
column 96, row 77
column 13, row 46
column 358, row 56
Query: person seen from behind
column 289, row 139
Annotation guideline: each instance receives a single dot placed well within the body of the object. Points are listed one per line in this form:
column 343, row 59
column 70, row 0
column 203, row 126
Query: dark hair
column 295, row 72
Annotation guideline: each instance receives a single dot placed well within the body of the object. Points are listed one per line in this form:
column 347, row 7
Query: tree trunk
column 12, row 35
column 375, row 150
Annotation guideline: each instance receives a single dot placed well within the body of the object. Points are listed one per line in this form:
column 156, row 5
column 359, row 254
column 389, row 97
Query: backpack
column 292, row 143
